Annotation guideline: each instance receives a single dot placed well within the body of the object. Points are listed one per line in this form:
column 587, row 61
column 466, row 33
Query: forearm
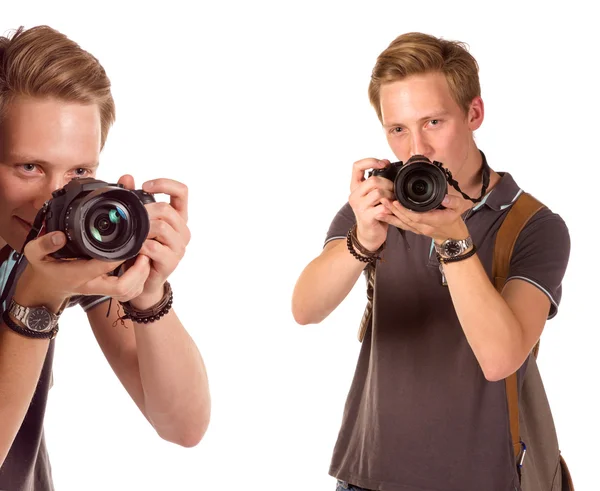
column 174, row 380
column 21, row 362
column 490, row 326
column 324, row 283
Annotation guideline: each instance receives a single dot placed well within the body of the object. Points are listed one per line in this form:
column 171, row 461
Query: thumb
column 38, row 248
column 451, row 202
column 127, row 181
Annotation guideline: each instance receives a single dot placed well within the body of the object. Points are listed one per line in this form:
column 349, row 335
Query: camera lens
column 420, row 186
column 108, row 225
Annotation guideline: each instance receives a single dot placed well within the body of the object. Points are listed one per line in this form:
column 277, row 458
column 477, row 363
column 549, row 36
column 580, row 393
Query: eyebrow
column 28, row 160
column 434, row 115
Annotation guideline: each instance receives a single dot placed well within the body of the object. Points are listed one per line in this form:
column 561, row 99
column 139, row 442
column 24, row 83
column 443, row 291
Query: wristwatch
column 39, row 321
column 453, row 248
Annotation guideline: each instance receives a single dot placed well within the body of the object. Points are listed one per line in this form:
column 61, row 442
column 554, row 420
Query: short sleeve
column 87, row 302
column 343, row 221
column 541, row 255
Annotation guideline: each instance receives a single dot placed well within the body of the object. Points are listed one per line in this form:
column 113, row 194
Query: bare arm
column 162, row 370
column 501, row 329
column 328, row 279
column 21, row 361
column 324, row 283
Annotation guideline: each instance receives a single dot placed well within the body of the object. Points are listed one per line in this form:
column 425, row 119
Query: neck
column 470, row 175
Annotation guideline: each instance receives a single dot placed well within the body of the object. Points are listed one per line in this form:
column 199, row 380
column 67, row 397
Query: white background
column 261, row 109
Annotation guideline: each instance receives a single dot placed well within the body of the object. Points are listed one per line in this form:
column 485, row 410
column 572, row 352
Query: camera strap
column 485, row 177
column 36, row 229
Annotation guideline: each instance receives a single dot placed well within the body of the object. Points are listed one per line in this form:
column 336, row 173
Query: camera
column 101, row 220
column 419, row 184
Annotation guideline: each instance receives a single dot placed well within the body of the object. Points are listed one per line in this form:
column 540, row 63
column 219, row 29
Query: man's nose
column 420, row 145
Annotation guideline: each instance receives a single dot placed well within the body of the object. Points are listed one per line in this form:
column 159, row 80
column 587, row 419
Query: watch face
column 452, row 248
column 39, row 320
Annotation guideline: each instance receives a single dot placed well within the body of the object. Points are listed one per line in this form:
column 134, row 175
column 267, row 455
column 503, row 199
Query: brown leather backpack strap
column 521, row 211
column 367, row 317
column 517, row 217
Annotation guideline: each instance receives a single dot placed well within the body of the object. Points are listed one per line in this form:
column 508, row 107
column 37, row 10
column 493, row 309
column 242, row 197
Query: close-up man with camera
column 463, row 269
column 66, row 239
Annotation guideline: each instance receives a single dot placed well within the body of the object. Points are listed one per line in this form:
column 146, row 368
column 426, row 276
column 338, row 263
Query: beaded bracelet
column 152, row 314
column 467, row 255
column 365, row 255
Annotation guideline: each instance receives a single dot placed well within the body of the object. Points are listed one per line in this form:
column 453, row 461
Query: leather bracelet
column 466, row 255
column 363, row 255
column 27, row 332
column 152, row 314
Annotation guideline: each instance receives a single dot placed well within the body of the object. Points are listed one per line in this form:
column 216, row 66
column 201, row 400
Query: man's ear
column 475, row 114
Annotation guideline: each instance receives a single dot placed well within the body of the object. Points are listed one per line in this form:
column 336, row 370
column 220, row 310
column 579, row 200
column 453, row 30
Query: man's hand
column 168, row 237
column 48, row 281
column 366, row 196
column 437, row 224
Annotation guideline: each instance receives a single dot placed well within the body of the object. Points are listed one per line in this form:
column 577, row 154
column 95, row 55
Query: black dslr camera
column 419, row 184
column 102, row 221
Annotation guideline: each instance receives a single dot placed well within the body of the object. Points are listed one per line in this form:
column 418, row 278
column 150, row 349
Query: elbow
column 190, row 432
column 303, row 316
column 189, row 435
column 496, row 370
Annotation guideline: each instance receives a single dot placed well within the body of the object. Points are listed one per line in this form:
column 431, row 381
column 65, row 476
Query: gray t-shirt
column 27, row 466
column 420, row 415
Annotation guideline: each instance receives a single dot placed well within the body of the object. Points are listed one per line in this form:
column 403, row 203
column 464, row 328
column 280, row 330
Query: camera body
column 101, row 220
column 419, row 184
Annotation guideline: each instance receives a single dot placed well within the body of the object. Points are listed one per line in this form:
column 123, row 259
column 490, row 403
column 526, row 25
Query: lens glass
column 108, row 224
column 419, row 187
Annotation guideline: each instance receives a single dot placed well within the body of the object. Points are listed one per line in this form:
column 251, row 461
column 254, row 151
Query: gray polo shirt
column 27, row 466
column 420, row 415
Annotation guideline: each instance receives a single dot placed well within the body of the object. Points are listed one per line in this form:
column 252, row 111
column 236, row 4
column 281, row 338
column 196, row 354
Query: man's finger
column 452, row 202
column 176, row 190
column 359, row 168
column 127, row 181
column 39, row 248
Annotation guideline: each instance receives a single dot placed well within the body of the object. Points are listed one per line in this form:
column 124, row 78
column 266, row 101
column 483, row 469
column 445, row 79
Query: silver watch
column 36, row 319
column 453, row 248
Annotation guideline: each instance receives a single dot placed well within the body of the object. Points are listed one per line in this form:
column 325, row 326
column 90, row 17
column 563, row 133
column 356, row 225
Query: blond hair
column 41, row 62
column 416, row 53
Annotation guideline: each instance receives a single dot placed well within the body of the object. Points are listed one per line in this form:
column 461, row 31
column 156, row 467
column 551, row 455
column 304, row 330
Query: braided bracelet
column 467, row 255
column 365, row 255
column 28, row 332
column 152, row 314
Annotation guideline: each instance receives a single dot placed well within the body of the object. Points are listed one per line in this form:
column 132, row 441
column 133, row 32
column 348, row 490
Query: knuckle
column 185, row 191
column 122, row 289
column 164, row 208
column 152, row 245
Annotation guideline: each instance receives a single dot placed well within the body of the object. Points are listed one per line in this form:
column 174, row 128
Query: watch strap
column 21, row 314
column 464, row 244
column 24, row 331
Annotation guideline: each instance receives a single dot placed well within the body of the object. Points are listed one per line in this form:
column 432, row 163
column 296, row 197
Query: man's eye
column 81, row 172
column 435, row 121
column 397, row 130
column 28, row 167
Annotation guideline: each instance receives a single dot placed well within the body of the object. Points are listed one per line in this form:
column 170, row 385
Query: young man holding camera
column 56, row 109
column 427, row 407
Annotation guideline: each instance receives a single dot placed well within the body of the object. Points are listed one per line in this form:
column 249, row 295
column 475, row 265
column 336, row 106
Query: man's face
column 44, row 143
column 421, row 117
